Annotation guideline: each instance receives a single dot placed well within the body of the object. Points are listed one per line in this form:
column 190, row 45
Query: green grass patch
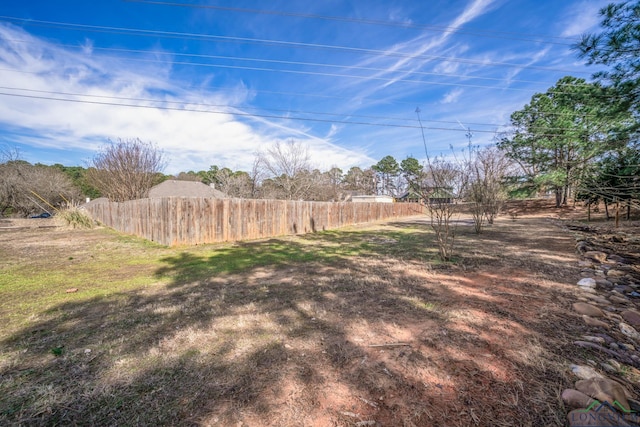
column 426, row 306
column 114, row 263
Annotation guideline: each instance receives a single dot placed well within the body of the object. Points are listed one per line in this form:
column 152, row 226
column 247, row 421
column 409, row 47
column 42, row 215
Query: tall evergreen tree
column 618, row 47
column 413, row 173
column 387, row 169
column 562, row 130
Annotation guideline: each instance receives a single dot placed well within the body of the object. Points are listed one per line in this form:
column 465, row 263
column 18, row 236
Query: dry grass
column 292, row 331
column 75, row 217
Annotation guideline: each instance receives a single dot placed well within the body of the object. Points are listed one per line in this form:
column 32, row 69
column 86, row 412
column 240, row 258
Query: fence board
column 189, row 221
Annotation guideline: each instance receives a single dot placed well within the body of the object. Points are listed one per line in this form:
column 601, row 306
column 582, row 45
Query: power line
column 277, row 61
column 245, row 114
column 236, row 113
column 313, row 95
column 348, row 76
column 288, row 111
column 248, row 40
column 260, row 91
column 325, row 74
column 198, row 104
column 436, row 28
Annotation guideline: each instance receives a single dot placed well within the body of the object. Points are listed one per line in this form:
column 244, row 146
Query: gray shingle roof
column 173, row 188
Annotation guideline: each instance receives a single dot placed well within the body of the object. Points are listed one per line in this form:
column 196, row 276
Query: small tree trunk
column 606, row 210
column 617, row 214
column 558, row 192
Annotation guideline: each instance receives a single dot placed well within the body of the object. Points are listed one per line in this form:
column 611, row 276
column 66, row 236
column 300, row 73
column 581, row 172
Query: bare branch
column 126, row 169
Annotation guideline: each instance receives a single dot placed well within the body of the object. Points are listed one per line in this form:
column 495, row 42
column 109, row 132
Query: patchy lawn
column 356, row 327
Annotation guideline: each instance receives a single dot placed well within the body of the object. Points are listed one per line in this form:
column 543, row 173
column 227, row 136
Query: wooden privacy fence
column 196, row 220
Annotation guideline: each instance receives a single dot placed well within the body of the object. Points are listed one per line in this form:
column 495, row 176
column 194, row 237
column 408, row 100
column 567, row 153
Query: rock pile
column 599, row 401
column 609, row 293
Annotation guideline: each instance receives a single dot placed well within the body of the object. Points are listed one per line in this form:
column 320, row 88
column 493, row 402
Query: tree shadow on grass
column 327, row 247
column 276, row 333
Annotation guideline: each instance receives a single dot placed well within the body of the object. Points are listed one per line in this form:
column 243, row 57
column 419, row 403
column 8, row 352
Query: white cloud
column 332, row 131
column 415, row 51
column 535, row 57
column 190, row 140
column 472, row 11
column 87, row 47
column 397, row 15
column 582, row 17
column 452, row 96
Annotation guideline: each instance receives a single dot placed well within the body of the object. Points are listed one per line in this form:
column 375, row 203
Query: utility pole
column 469, row 135
column 424, row 140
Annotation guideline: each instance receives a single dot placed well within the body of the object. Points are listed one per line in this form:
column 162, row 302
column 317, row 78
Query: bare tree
column 333, row 188
column 26, row 189
column 126, row 169
column 287, row 166
column 475, row 195
column 9, row 154
column 487, row 169
column 12, row 179
column 188, row 176
column 326, row 186
column 442, row 177
column 360, row 181
column 235, row 184
column 438, row 191
column 495, row 167
column 436, row 182
column 256, row 175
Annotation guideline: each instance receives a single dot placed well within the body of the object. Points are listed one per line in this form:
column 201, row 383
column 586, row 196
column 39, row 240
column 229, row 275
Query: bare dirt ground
column 376, row 334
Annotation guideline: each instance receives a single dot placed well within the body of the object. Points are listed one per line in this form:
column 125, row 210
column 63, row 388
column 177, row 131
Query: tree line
column 577, row 141
column 127, row 169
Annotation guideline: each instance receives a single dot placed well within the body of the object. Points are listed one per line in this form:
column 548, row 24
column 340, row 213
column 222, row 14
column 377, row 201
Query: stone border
column 608, row 297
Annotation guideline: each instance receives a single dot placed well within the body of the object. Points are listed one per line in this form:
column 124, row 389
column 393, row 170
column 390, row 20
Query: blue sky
column 217, row 81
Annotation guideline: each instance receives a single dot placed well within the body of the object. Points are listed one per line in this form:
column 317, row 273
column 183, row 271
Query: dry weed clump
column 75, row 217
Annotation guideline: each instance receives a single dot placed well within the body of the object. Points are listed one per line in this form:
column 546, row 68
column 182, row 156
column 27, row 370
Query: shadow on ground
column 333, row 328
